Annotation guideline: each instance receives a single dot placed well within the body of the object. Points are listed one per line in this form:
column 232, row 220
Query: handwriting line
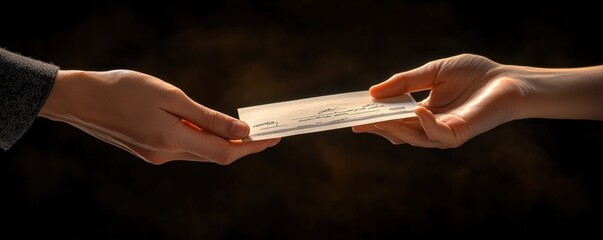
column 336, row 114
column 321, row 124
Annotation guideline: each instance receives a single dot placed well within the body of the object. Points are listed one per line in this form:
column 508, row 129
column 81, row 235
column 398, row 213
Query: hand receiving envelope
column 323, row 113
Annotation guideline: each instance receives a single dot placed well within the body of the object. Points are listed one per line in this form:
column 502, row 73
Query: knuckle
column 171, row 94
column 153, row 157
column 224, row 159
column 174, row 91
column 211, row 119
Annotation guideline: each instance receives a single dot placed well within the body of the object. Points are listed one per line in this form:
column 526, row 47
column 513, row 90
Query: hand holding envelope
column 323, row 113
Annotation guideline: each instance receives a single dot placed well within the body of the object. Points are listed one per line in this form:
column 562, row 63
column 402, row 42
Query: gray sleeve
column 24, row 86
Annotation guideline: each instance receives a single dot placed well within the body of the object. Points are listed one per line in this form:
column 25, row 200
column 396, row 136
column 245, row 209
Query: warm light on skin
column 150, row 125
column 471, row 94
column 191, row 124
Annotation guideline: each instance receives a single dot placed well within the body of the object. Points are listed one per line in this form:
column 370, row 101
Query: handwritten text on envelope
column 323, row 113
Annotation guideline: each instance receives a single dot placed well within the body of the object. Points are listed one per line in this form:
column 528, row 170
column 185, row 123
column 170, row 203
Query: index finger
column 208, row 146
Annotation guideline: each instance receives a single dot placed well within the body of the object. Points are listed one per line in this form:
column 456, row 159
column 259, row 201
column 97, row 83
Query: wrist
column 63, row 94
column 560, row 93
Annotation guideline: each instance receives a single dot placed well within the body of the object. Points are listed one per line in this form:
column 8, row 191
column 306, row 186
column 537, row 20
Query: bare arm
column 147, row 117
column 471, row 94
column 573, row 93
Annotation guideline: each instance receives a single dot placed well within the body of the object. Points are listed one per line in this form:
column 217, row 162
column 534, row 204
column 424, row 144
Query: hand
column 469, row 95
column 147, row 117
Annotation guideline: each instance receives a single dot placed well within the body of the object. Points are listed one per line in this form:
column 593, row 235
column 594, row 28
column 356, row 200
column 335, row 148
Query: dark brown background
column 532, row 177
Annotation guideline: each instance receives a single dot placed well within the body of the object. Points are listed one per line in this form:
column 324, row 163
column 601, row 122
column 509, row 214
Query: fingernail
column 239, row 129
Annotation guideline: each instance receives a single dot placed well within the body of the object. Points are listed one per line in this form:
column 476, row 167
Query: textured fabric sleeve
column 24, row 86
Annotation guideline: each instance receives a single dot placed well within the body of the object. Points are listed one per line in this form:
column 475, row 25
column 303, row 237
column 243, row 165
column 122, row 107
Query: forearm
column 571, row 93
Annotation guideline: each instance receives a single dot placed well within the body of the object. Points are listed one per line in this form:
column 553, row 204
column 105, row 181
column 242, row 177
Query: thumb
column 219, row 124
column 210, row 120
column 417, row 79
